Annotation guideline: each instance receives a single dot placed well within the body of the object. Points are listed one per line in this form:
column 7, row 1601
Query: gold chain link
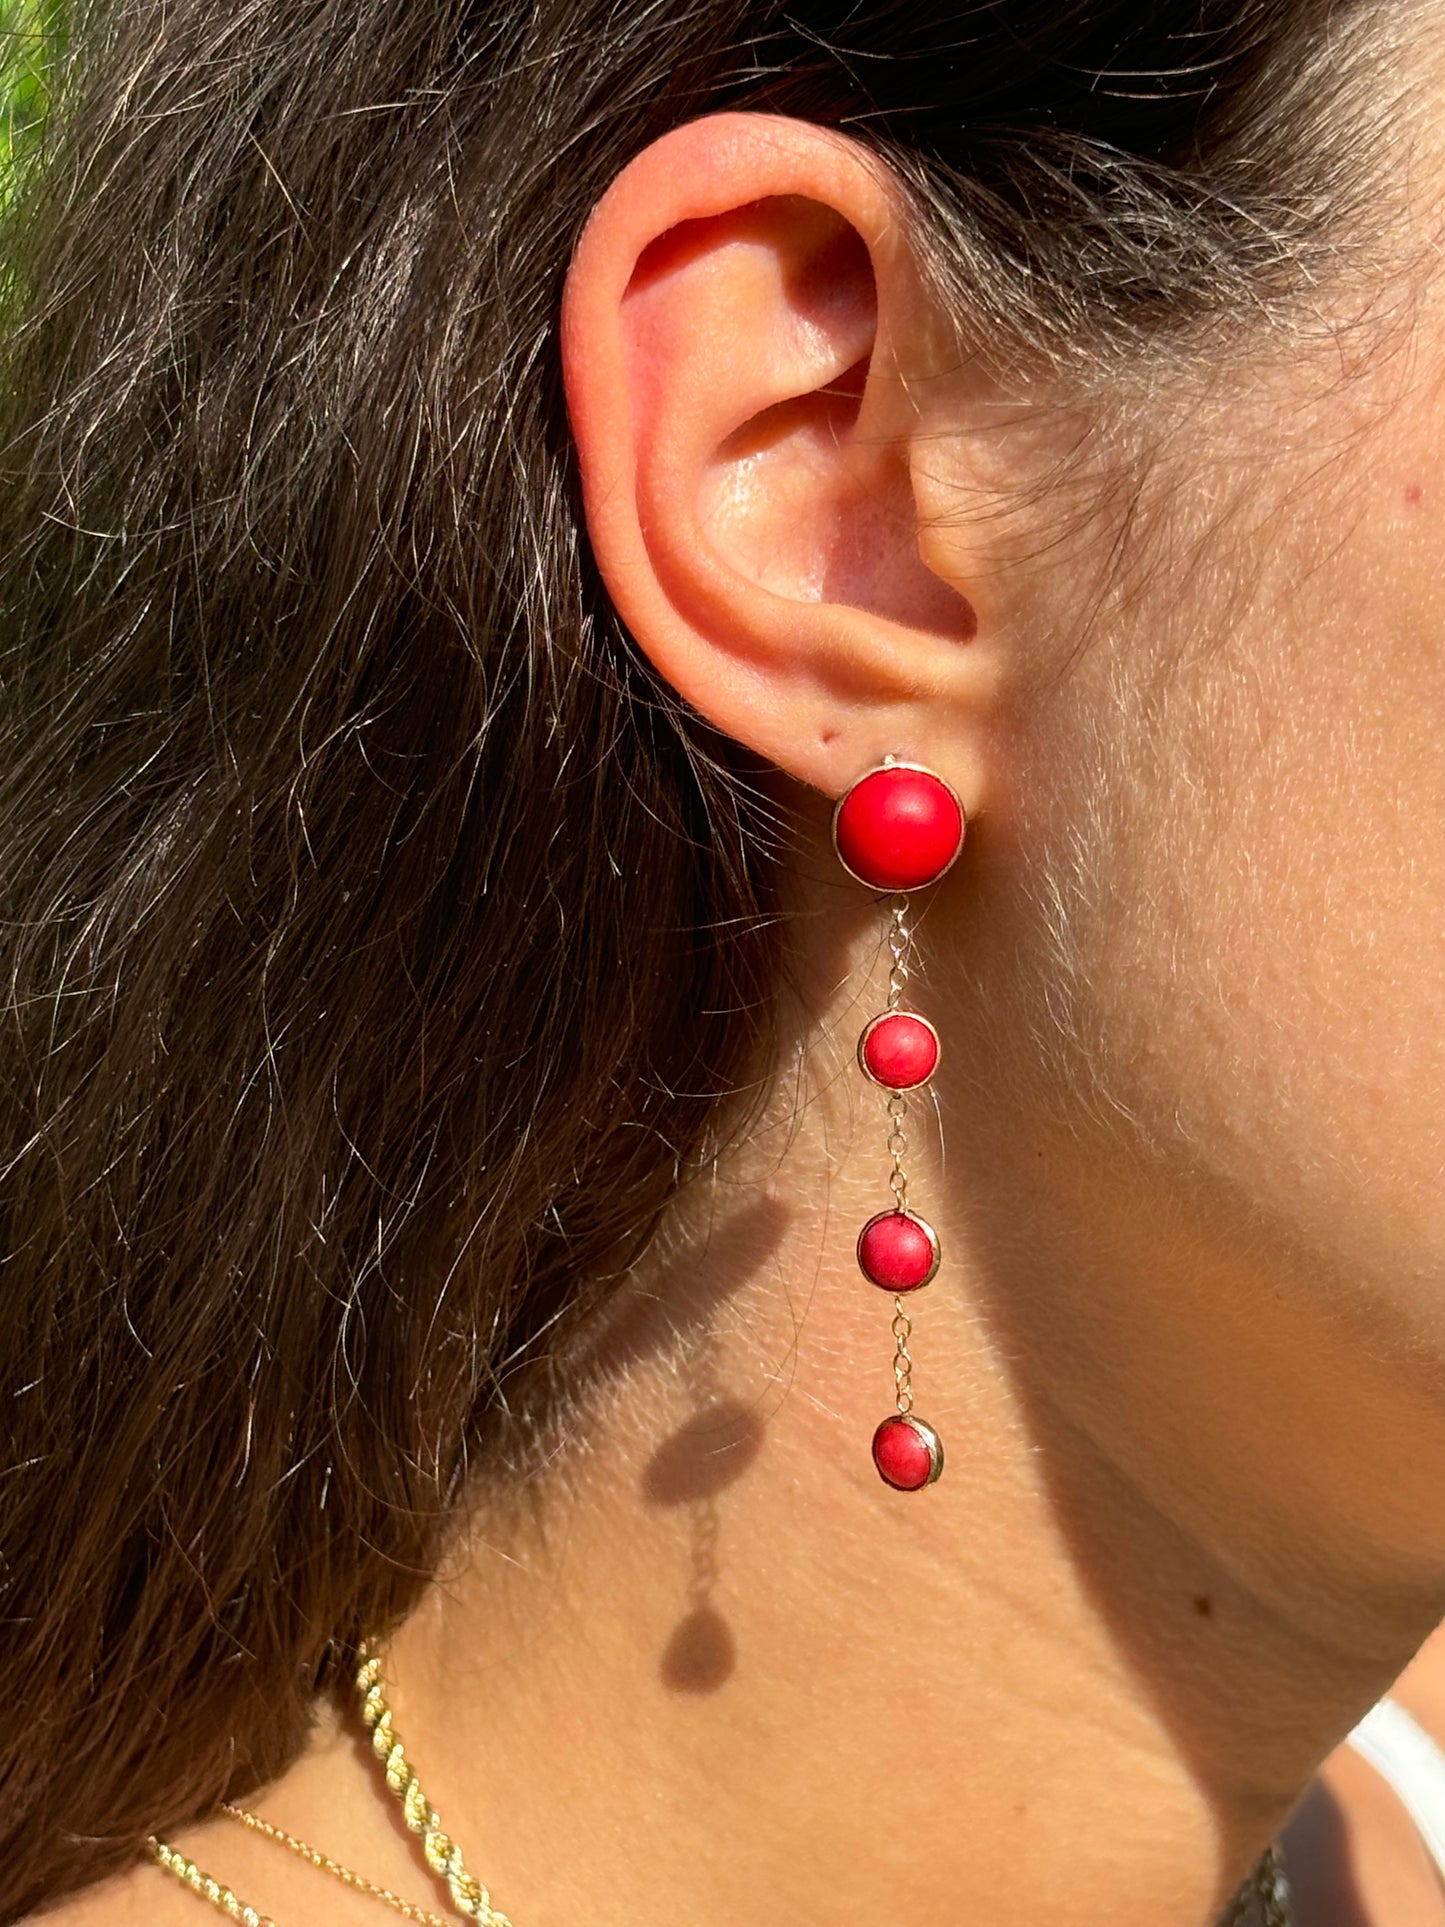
column 422, row 1916
column 902, row 1357
column 443, row 1855
column 190, row 1875
column 441, row 1852
column 897, row 1146
column 900, row 937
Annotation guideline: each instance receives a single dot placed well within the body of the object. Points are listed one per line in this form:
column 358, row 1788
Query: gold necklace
column 1266, row 1894
column 221, row 1897
column 422, row 1916
column 443, row 1856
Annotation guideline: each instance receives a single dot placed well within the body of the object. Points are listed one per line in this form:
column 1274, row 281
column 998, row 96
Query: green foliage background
column 29, row 39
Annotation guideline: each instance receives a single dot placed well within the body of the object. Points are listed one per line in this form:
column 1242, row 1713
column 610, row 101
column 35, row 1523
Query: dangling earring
column 897, row 829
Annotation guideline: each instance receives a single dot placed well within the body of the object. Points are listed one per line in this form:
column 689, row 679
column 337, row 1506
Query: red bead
column 899, row 1051
column 897, row 1251
column 907, row 1453
column 898, row 827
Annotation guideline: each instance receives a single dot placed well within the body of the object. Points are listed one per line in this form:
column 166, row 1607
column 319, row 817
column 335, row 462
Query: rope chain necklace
column 469, row 1897
column 1264, row 1901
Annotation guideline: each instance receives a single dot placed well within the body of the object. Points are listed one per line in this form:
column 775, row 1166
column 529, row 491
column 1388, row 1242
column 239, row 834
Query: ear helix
column 898, row 828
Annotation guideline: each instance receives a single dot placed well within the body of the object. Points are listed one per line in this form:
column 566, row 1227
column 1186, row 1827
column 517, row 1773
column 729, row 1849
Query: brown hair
column 378, row 937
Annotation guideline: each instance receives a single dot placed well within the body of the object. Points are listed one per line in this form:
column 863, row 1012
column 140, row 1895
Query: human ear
column 744, row 338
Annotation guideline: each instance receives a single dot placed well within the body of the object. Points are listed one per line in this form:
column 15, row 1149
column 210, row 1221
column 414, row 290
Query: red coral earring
column 897, row 829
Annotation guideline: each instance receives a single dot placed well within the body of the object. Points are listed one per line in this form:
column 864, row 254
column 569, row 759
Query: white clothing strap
column 1405, row 1756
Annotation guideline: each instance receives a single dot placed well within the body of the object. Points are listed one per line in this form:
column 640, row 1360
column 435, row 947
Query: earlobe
column 743, row 426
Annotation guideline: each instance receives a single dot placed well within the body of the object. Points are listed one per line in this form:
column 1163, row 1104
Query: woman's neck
column 706, row 1667
column 720, row 1672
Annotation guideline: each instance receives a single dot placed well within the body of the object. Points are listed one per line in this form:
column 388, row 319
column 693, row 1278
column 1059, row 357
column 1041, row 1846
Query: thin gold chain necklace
column 225, row 1900
column 1264, row 1901
column 469, row 1897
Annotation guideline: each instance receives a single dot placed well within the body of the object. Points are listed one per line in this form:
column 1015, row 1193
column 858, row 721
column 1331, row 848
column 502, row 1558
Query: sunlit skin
column 1356, row 1857
column 1187, row 1348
